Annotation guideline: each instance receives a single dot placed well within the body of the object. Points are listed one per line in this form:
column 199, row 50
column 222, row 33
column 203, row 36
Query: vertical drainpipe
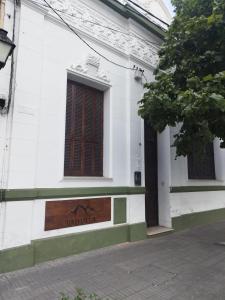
column 15, row 39
column 9, row 111
column 2, row 206
column 2, row 13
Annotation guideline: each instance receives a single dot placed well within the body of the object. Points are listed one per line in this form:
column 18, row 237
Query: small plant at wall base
column 80, row 295
column 190, row 79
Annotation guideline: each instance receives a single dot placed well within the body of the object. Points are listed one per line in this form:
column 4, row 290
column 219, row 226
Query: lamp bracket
column 3, row 103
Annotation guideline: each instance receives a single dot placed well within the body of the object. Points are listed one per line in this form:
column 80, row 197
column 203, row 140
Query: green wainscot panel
column 137, row 232
column 16, row 258
column 198, row 218
column 61, row 246
column 56, row 247
column 120, row 210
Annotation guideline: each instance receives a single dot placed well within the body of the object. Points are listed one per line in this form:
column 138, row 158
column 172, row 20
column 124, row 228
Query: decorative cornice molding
column 96, row 26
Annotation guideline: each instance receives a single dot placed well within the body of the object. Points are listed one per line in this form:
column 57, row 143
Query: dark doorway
column 151, row 176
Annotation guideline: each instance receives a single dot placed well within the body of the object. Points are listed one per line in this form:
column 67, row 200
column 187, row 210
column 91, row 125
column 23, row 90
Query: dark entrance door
column 151, row 176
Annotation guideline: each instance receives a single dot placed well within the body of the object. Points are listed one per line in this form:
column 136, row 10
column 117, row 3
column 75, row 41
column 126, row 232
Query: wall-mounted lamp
column 6, row 47
column 3, row 102
column 138, row 74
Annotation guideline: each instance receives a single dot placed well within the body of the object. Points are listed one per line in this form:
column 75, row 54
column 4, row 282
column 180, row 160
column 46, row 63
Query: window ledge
column 86, row 178
column 204, row 182
column 197, row 188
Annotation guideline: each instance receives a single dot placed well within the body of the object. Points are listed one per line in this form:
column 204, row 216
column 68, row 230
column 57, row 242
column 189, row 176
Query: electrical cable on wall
column 5, row 162
column 12, row 59
column 146, row 80
column 148, row 12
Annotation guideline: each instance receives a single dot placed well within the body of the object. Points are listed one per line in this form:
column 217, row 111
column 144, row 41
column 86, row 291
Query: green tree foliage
column 190, row 79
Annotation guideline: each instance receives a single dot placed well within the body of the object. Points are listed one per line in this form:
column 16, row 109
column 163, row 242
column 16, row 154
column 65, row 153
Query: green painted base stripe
column 137, row 232
column 50, row 193
column 53, row 248
column 191, row 189
column 48, row 249
column 199, row 218
column 16, row 258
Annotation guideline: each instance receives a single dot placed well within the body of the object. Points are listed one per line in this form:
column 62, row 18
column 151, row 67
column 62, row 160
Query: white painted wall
column 155, row 7
column 23, row 221
column 17, row 223
column 46, row 51
column 159, row 9
column 179, row 170
column 4, row 90
column 135, row 209
column 186, row 203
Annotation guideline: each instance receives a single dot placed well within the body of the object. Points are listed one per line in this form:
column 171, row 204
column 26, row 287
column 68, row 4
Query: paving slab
column 183, row 265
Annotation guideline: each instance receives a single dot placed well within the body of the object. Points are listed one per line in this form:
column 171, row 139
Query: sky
column 169, row 5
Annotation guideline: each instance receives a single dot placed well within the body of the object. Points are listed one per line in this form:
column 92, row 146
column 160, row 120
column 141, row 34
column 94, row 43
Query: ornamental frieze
column 92, row 23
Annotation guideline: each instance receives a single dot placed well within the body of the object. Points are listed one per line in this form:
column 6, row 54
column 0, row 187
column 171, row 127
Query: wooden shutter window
column 84, row 131
column 202, row 167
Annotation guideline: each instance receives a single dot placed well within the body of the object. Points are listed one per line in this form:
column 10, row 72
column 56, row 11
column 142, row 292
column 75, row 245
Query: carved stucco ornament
column 63, row 5
column 93, row 61
column 79, row 68
column 91, row 68
column 99, row 27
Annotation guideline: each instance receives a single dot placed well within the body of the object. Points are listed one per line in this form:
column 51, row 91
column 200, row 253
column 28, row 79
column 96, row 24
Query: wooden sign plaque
column 70, row 213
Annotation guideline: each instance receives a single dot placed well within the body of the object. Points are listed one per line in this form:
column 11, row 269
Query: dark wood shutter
column 202, row 167
column 84, row 131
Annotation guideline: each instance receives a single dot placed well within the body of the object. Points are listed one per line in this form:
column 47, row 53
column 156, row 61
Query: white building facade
column 45, row 175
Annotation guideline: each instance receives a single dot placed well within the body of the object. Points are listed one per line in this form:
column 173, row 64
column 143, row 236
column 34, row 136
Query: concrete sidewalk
column 184, row 265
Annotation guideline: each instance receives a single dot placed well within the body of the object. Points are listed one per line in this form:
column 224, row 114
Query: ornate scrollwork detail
column 101, row 75
column 79, row 68
column 91, row 68
column 93, row 61
column 89, row 21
